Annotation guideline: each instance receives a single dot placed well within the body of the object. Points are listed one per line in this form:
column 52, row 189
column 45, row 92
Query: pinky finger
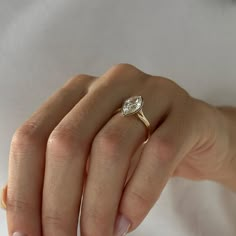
column 158, row 161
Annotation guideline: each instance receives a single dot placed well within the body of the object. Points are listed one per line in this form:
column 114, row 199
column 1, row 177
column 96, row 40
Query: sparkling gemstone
column 132, row 105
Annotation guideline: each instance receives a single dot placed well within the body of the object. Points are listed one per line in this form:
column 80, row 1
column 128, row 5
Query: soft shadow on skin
column 194, row 204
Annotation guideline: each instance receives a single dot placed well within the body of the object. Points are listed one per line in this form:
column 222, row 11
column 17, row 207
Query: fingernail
column 122, row 225
column 18, row 234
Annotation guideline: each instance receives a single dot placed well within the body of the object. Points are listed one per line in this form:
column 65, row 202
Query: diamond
column 132, row 105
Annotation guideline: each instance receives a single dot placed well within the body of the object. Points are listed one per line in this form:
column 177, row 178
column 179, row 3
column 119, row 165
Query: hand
column 50, row 151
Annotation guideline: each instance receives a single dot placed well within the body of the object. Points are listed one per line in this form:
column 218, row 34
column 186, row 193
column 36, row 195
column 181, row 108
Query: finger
column 111, row 152
column 27, row 157
column 168, row 144
column 134, row 162
column 69, row 146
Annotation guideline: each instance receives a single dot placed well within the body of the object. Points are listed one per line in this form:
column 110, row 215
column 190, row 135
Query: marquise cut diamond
column 132, row 105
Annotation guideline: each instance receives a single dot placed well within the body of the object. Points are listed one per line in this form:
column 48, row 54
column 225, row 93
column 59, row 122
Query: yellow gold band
column 140, row 115
column 145, row 121
column 3, row 198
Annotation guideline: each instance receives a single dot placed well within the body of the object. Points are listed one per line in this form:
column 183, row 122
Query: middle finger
column 110, row 157
column 69, row 146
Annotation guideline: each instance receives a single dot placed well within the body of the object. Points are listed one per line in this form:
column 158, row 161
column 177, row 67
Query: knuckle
column 108, row 141
column 79, row 83
column 61, row 138
column 137, row 204
column 50, row 220
column 124, row 66
column 64, row 141
column 55, row 219
column 127, row 69
column 25, row 136
column 165, row 82
column 139, row 199
column 80, row 77
column 19, row 205
column 123, row 72
column 60, row 222
column 94, row 223
column 162, row 148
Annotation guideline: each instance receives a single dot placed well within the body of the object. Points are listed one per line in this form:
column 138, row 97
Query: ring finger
column 111, row 153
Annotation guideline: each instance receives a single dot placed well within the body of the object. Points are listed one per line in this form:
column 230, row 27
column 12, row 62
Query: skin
column 49, row 153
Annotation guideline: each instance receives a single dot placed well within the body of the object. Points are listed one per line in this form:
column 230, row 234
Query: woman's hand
column 49, row 154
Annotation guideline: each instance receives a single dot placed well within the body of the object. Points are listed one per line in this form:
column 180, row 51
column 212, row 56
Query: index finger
column 27, row 157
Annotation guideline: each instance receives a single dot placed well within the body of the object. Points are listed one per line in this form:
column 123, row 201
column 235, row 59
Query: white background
column 43, row 43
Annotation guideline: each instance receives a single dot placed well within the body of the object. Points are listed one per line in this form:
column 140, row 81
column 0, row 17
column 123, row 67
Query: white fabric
column 43, row 43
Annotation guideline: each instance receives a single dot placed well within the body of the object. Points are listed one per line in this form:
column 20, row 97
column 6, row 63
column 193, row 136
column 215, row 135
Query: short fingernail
column 18, row 234
column 122, row 225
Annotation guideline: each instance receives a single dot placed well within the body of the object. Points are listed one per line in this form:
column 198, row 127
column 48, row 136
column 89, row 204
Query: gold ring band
column 133, row 106
column 3, row 197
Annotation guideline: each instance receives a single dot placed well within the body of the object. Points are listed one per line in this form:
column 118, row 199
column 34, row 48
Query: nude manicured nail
column 122, row 225
column 18, row 234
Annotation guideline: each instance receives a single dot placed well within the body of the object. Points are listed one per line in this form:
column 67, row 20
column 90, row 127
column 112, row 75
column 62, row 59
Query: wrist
column 229, row 122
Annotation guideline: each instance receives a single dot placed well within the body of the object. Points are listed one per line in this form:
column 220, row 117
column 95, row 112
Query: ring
column 3, row 204
column 133, row 106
